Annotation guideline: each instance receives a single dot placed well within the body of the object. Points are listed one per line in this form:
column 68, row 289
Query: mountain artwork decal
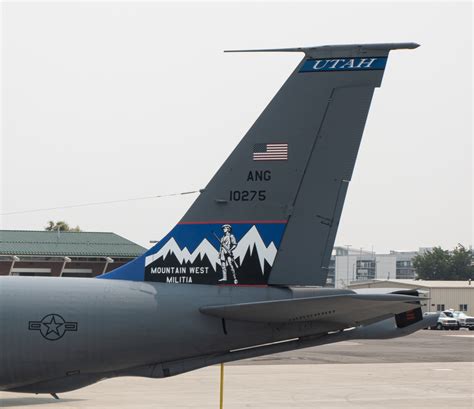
column 215, row 253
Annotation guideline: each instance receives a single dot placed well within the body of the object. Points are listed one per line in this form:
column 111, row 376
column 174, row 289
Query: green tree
column 439, row 264
column 61, row 226
column 461, row 263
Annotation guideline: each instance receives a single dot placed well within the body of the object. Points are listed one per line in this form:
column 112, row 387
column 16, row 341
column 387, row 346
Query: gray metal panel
column 350, row 309
column 294, row 115
column 307, row 244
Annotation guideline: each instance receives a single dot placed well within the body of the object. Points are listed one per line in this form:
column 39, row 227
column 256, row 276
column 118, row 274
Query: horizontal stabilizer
column 324, row 49
column 347, row 309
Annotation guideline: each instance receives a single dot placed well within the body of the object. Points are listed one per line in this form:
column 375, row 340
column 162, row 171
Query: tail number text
column 247, row 195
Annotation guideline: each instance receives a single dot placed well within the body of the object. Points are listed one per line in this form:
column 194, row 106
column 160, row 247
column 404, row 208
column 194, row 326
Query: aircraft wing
column 346, row 309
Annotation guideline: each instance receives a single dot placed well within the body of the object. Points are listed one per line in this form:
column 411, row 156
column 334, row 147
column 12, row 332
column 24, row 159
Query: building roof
column 75, row 244
column 418, row 283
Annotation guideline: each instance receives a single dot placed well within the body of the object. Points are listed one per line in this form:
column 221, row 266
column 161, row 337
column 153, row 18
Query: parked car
column 425, row 314
column 446, row 321
column 464, row 320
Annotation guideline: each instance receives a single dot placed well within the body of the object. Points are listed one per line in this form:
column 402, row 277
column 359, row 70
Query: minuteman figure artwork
column 226, row 255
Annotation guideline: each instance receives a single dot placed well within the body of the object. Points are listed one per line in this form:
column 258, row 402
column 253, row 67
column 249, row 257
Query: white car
column 464, row 320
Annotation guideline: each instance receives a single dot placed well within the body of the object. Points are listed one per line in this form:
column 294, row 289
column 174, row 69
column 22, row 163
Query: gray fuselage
column 123, row 324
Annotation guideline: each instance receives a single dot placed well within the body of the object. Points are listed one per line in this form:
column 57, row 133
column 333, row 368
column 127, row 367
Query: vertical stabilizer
column 270, row 213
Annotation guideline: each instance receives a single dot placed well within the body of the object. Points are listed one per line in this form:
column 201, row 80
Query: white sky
column 104, row 101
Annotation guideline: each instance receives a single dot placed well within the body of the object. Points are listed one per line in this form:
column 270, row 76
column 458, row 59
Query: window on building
column 404, row 263
column 405, row 273
column 364, row 269
column 462, row 307
column 34, row 274
column 77, row 272
column 331, row 277
column 440, row 307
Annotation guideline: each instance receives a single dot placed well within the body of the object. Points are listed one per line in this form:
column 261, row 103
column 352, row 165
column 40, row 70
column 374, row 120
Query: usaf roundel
column 52, row 327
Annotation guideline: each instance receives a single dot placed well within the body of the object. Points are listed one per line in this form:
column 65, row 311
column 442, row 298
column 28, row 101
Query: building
column 66, row 254
column 348, row 265
column 458, row 295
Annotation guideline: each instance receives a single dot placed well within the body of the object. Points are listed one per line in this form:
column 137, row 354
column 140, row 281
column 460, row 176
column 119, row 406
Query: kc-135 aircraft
column 241, row 273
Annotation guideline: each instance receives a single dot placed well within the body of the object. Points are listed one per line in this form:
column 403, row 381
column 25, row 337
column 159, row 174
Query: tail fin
column 270, row 213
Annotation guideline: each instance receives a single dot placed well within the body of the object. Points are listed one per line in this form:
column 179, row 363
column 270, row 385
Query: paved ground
column 422, row 346
column 429, row 369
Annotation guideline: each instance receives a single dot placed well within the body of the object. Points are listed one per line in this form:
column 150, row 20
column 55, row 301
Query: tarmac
column 429, row 369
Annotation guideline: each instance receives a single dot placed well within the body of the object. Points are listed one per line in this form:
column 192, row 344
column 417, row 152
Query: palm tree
column 60, row 226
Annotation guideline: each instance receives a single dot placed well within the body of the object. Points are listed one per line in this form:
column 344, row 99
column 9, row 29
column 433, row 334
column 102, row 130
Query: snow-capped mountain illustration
column 249, row 244
column 183, row 255
column 252, row 241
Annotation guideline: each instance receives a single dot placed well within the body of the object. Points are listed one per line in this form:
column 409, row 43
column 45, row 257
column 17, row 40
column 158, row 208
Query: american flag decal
column 270, row 151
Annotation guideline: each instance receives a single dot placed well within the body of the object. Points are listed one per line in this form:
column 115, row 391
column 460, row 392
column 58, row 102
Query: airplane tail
column 270, row 213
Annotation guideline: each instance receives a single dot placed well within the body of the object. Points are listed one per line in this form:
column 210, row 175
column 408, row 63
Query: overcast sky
column 105, row 101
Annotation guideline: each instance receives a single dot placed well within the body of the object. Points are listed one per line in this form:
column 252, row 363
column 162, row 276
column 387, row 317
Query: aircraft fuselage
column 52, row 328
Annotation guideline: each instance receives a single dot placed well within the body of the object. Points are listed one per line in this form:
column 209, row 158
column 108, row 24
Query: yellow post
column 221, row 400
